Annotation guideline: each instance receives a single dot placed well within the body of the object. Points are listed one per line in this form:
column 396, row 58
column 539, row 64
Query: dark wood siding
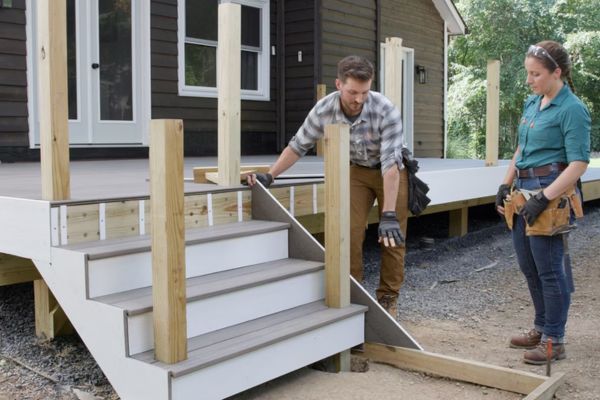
column 421, row 28
column 259, row 122
column 347, row 27
column 300, row 80
column 13, row 76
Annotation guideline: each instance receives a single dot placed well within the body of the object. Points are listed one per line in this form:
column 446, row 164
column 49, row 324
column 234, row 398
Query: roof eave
column 449, row 13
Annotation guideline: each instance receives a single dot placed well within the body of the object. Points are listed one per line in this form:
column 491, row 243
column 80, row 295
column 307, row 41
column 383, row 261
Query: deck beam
column 15, row 270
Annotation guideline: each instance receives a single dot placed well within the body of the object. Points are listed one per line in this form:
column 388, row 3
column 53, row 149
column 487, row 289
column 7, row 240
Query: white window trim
column 408, row 81
column 264, row 61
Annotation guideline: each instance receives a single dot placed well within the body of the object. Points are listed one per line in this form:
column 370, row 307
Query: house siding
column 258, row 118
column 300, row 80
column 347, row 27
column 421, row 28
column 14, row 126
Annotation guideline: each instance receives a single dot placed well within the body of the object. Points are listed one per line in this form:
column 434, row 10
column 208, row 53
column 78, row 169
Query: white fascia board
column 449, row 13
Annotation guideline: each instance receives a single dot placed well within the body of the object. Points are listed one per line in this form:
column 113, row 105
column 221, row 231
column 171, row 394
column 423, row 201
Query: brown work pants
column 366, row 185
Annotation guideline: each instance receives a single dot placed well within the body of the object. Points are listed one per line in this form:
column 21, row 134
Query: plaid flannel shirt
column 376, row 136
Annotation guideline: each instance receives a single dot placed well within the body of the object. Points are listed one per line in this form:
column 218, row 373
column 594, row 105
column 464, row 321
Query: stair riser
column 232, row 308
column 132, row 271
column 267, row 363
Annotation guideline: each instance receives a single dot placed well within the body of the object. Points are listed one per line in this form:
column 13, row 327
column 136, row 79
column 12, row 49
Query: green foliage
column 503, row 30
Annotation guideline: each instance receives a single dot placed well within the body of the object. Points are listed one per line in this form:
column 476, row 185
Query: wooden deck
column 455, row 185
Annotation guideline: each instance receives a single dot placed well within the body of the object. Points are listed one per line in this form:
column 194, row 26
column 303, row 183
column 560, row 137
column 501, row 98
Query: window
column 408, row 76
column 198, row 41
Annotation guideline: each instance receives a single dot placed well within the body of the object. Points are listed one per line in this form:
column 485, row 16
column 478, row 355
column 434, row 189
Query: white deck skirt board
column 109, row 179
column 283, row 357
column 133, row 271
column 25, row 228
column 222, row 311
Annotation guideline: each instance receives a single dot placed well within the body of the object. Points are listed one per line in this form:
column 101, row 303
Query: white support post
column 493, row 113
column 229, row 84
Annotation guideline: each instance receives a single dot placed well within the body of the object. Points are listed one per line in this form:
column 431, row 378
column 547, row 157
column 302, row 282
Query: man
column 376, row 170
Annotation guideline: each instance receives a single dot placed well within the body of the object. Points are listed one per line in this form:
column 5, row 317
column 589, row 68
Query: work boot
column 389, row 302
column 528, row 340
column 538, row 356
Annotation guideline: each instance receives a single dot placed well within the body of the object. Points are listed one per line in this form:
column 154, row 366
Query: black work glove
column 534, row 207
column 389, row 228
column 265, row 179
column 503, row 191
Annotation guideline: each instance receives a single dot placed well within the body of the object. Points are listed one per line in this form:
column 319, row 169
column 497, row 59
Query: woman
column 552, row 154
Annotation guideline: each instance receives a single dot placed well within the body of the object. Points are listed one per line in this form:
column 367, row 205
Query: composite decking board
column 237, row 344
column 138, row 244
column 139, row 301
column 220, row 335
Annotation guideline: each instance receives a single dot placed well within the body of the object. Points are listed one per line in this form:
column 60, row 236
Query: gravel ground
column 459, row 282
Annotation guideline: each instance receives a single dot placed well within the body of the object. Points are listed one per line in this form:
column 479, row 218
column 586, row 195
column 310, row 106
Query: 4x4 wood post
column 168, row 240
column 229, row 84
column 337, row 224
column 54, row 140
column 492, row 113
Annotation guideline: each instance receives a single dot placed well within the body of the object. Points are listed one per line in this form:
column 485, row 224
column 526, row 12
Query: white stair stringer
column 102, row 329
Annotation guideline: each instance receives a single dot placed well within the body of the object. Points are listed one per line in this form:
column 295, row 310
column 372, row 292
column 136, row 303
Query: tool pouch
column 556, row 218
column 513, row 206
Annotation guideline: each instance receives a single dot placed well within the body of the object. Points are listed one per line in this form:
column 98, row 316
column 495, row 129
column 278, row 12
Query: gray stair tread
column 138, row 244
column 139, row 301
column 234, row 341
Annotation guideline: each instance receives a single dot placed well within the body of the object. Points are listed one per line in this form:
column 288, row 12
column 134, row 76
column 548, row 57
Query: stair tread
column 138, row 244
column 138, row 301
column 227, row 343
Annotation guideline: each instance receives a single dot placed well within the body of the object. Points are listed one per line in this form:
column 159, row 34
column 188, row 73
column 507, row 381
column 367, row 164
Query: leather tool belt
column 544, row 170
column 554, row 220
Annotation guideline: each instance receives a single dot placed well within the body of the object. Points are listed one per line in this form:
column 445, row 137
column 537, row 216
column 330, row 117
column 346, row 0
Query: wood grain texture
column 455, row 368
column 53, row 99
column 16, row 270
column 492, row 113
column 168, row 240
column 393, row 70
column 337, row 213
column 229, row 102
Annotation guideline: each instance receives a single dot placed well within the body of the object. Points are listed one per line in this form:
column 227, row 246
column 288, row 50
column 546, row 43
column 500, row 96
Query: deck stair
column 255, row 310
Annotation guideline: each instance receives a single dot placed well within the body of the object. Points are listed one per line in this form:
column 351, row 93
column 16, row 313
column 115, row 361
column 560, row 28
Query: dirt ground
column 482, row 335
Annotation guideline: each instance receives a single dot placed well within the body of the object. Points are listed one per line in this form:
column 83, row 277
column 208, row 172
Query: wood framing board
column 591, row 190
column 83, row 223
column 200, row 173
column 15, row 269
column 479, row 373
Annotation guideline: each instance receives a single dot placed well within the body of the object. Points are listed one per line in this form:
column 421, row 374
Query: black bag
column 417, row 189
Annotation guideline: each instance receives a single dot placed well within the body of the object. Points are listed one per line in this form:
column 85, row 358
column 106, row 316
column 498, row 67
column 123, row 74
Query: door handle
column 95, row 66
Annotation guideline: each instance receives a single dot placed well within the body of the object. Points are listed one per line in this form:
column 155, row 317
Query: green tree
column 503, row 30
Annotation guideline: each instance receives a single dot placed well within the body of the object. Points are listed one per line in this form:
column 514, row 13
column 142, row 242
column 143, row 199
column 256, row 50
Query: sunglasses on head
column 540, row 52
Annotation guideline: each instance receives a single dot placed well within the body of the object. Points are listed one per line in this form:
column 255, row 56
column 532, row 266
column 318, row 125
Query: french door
column 104, row 75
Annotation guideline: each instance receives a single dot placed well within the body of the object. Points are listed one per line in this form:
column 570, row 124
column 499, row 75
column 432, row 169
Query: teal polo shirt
column 558, row 133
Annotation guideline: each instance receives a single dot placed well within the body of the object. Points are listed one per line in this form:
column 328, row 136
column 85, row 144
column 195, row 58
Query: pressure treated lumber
column 202, row 174
column 393, row 71
column 492, row 113
column 54, row 135
column 321, row 92
column 455, row 368
column 229, row 101
column 168, row 240
column 16, row 270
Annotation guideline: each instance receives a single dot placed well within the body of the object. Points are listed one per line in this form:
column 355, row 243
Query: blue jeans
column 541, row 261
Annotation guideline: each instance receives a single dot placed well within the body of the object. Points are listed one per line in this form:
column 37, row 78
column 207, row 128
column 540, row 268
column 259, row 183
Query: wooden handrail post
column 337, row 225
column 393, row 71
column 229, row 84
column 321, row 92
column 168, row 240
column 337, row 215
column 54, row 135
column 493, row 113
